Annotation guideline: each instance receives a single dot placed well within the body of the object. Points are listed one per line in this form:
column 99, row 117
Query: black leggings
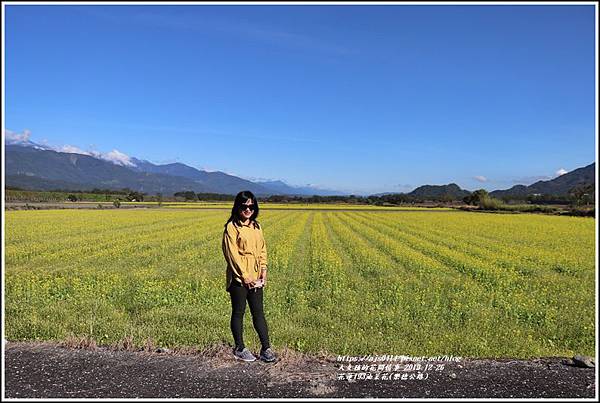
column 239, row 294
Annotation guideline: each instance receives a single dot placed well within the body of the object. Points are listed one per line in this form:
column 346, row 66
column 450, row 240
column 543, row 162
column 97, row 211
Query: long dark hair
column 240, row 199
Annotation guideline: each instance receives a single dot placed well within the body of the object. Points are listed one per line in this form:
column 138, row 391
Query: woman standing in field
column 245, row 251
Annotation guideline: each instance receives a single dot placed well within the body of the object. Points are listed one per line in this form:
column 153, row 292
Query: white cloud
column 115, row 156
column 263, row 179
column 480, row 178
column 561, row 172
column 208, row 169
column 23, row 139
column 528, row 180
column 13, row 137
column 72, row 150
column 118, row 158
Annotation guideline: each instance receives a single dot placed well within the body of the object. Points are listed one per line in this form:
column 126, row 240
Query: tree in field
column 446, row 198
column 582, row 194
column 135, row 196
column 188, row 195
column 476, row 197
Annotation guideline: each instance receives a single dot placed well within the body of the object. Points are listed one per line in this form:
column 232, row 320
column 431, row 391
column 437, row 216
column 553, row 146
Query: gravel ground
column 49, row 370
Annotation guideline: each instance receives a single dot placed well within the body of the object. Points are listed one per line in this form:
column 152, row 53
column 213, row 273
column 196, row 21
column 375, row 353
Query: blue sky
column 362, row 99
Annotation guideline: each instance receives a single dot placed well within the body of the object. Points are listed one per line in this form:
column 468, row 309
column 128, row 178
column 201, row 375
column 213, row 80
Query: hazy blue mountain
column 227, row 184
column 37, row 183
column 30, row 167
column 219, row 179
column 282, row 188
column 176, row 169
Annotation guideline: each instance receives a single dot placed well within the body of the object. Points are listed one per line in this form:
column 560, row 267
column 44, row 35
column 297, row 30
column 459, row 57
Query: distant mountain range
column 558, row 186
column 30, row 165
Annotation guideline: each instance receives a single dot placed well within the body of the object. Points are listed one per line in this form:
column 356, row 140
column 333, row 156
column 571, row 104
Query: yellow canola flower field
column 419, row 283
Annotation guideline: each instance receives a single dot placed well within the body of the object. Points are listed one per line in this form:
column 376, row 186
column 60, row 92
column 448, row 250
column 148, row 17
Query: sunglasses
column 243, row 207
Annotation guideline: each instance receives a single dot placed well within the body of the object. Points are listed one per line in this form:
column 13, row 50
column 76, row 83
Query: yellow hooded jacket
column 245, row 251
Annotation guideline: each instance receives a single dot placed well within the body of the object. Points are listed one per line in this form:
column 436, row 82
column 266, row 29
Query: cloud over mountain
column 23, row 138
column 13, row 137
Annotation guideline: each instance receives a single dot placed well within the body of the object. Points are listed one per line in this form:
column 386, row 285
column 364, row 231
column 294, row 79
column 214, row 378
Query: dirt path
column 46, row 370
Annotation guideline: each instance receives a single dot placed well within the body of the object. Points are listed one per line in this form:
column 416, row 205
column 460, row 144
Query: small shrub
column 581, row 212
column 79, row 342
column 540, row 209
column 489, row 203
column 125, row 344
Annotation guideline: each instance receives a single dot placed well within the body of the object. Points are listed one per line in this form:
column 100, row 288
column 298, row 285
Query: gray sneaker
column 267, row 355
column 244, row 355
